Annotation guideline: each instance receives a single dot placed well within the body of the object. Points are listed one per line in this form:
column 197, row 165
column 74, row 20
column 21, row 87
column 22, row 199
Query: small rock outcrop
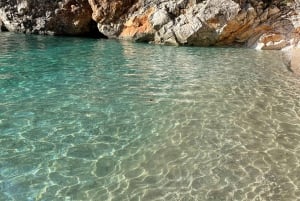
column 67, row 17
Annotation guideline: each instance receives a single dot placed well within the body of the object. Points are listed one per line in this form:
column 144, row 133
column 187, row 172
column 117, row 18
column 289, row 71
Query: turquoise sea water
column 85, row 119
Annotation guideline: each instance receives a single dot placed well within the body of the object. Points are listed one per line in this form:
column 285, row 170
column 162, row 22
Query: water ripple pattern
column 86, row 119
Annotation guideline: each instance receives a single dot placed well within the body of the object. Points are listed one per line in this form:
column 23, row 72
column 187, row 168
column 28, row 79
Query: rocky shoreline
column 259, row 24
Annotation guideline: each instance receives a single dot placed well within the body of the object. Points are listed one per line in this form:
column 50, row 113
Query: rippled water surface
column 85, row 119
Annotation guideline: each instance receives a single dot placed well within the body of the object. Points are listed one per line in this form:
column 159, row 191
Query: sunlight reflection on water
column 84, row 119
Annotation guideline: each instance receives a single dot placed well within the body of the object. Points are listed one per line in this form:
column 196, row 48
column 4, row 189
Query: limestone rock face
column 110, row 10
column 260, row 24
column 67, row 17
column 201, row 24
column 111, row 14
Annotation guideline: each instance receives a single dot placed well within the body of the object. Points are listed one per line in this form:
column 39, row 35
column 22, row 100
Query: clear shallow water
column 84, row 119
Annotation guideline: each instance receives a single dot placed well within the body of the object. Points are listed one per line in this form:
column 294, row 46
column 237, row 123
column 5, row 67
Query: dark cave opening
column 94, row 31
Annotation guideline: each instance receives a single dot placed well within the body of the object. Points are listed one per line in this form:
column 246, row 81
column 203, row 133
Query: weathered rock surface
column 67, row 17
column 111, row 15
column 260, row 24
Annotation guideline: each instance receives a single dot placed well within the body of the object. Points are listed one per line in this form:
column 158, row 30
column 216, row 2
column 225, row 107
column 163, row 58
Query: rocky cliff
column 71, row 17
column 262, row 24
